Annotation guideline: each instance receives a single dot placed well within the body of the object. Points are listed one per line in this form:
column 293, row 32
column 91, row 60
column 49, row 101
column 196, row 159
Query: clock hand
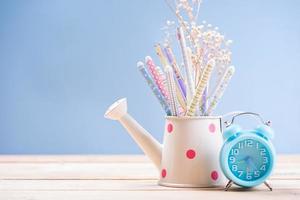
column 250, row 162
column 243, row 160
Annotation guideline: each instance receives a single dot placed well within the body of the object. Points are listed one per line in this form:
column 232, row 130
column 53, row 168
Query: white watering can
column 189, row 156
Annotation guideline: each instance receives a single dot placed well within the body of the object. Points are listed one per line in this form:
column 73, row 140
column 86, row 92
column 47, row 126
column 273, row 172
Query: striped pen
column 200, row 88
column 171, row 90
column 219, row 91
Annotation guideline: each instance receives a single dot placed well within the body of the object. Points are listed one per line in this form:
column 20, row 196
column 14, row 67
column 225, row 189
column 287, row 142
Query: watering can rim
column 192, row 117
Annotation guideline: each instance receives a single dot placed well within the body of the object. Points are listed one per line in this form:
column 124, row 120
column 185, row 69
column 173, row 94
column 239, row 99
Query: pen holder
column 190, row 155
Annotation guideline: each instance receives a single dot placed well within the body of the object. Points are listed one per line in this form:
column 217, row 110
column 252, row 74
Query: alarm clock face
column 249, row 160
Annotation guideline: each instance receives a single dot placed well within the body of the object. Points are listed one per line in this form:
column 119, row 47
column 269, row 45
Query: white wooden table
column 122, row 177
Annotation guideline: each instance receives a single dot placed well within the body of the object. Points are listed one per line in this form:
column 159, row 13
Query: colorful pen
column 154, row 88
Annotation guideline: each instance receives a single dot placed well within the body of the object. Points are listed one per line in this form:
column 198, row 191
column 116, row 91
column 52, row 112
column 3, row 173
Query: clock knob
column 232, row 130
column 265, row 131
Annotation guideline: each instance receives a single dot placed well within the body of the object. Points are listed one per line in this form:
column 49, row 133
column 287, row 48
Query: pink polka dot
column 190, row 153
column 170, row 128
column 214, row 175
column 212, row 128
column 163, row 173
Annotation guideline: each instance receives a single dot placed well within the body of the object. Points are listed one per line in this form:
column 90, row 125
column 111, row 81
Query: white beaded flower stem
column 200, row 88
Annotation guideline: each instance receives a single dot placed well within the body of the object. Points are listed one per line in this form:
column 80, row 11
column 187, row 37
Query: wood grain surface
column 123, row 177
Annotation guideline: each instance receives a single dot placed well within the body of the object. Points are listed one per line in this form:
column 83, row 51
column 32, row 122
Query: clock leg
column 228, row 185
column 268, row 185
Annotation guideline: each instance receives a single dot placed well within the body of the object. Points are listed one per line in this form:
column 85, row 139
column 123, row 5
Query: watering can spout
column 151, row 147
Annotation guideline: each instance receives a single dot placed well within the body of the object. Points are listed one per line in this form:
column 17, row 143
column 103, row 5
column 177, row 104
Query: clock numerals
column 234, row 168
column 249, row 175
column 240, row 173
column 256, row 174
column 265, row 160
column 263, row 168
column 244, row 144
column 248, row 143
column 240, row 145
column 249, row 160
column 232, row 159
column 235, row 152
column 262, row 152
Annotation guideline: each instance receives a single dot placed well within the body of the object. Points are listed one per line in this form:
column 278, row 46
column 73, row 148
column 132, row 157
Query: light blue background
column 63, row 62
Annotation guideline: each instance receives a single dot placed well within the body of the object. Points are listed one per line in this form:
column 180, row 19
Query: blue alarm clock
column 247, row 156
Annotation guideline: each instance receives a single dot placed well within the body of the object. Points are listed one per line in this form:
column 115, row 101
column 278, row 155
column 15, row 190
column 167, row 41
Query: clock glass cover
column 249, row 160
